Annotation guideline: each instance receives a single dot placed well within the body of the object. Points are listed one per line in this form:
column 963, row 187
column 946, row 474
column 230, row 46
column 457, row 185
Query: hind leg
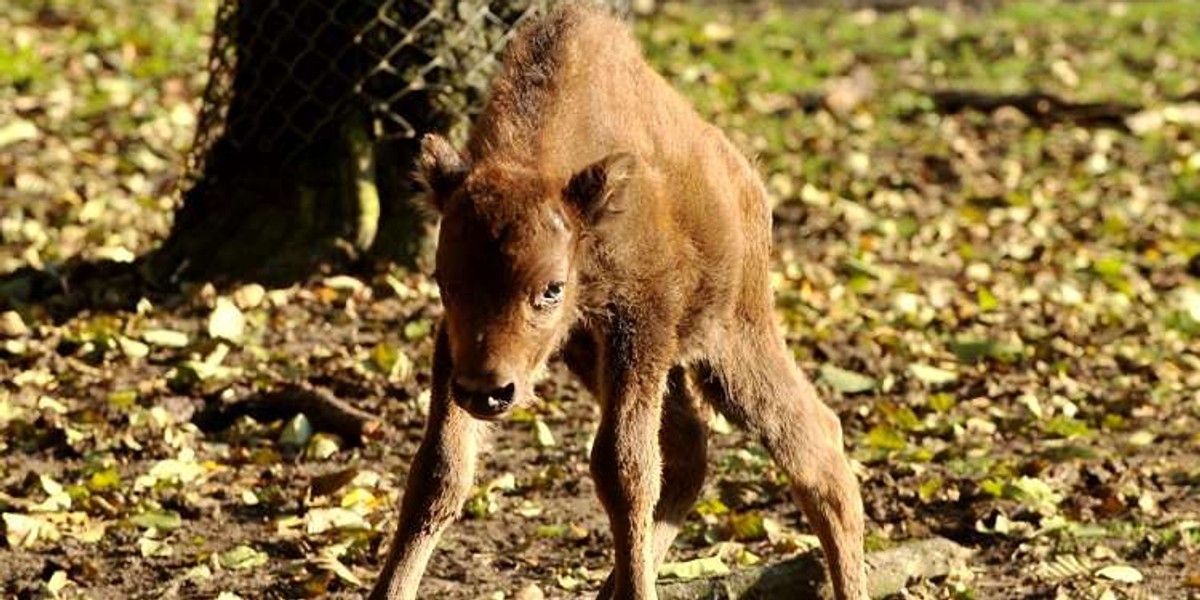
column 684, row 442
column 756, row 384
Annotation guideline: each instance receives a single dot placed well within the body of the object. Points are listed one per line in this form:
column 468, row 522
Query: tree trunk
column 310, row 126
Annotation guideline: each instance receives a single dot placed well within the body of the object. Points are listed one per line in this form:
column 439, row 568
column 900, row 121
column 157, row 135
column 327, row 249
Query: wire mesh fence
column 284, row 71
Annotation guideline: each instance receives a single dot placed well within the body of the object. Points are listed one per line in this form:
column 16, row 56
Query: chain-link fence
column 283, row 71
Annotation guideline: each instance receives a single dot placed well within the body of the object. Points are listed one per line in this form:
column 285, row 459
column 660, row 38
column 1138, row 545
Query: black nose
column 485, row 393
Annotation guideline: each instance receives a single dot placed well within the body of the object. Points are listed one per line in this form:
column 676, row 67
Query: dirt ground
column 543, row 526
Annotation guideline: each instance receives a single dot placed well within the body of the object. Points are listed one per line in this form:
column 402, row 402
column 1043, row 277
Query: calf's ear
column 592, row 190
column 440, row 169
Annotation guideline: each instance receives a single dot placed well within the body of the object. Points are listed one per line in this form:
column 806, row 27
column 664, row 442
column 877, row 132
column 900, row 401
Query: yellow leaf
column 56, row 500
column 747, row 527
column 132, row 348
column 165, row 338
column 150, row 547
column 242, row 557
column 226, row 321
column 321, row 520
column 322, row 446
column 545, row 437
column 23, row 531
column 1121, row 573
column 57, row 582
column 932, row 375
column 18, row 130
column 711, row 566
column 360, row 498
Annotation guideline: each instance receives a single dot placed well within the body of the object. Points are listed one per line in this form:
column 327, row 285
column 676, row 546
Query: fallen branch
column 1039, row 106
column 324, row 410
column 888, row 571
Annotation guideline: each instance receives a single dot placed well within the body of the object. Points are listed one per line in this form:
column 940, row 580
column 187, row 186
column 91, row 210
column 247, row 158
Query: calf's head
column 508, row 259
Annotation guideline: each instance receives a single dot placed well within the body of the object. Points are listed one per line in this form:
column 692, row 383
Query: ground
column 1003, row 305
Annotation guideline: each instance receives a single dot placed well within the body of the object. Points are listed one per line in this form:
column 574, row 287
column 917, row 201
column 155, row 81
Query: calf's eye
column 551, row 295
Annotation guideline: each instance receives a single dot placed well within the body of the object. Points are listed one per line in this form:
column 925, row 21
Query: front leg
column 626, row 460
column 438, row 483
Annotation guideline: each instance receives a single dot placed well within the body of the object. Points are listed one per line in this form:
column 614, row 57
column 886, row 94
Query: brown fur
column 594, row 213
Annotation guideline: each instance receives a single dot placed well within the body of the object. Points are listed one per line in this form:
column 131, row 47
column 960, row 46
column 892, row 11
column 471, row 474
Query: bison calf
column 595, row 214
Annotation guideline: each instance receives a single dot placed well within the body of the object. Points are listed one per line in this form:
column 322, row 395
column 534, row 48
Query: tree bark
column 311, row 126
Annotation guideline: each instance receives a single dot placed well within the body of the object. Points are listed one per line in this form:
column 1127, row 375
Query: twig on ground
column 1039, row 106
column 325, row 411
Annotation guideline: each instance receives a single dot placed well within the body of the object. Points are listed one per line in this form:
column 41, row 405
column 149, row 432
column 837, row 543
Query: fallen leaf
column 23, row 531
column 543, row 435
column 320, row 520
column 1121, row 573
column 1063, row 566
column 322, row 446
column 164, row 520
column 885, row 437
column 931, row 375
column 226, row 321
column 846, row 381
column 11, row 324
column 165, row 337
column 249, row 296
column 150, row 547
column 747, row 527
column 57, row 499
column 296, row 433
column 392, row 362
column 711, row 566
column 132, row 348
column 57, row 582
column 242, row 557
column 17, row 130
